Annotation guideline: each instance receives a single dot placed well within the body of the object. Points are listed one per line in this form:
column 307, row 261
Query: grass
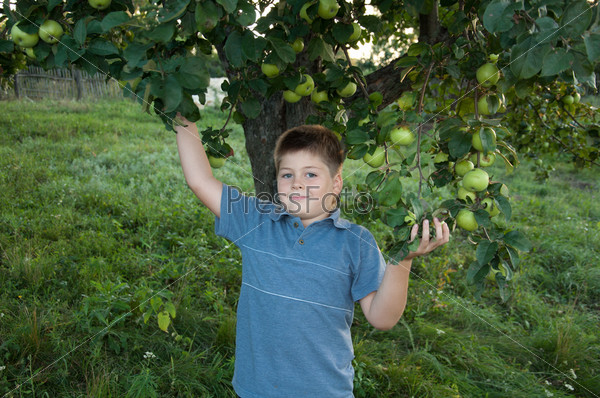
column 95, row 219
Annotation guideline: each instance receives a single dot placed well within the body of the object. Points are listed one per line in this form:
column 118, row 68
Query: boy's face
column 305, row 186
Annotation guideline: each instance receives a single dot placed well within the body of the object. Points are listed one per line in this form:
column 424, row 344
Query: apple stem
column 228, row 118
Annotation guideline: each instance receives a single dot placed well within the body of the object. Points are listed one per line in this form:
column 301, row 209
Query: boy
column 303, row 269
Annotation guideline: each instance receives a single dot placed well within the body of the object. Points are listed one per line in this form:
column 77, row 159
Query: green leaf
column 229, row 5
column 488, row 137
column 156, row 303
column 193, row 73
column 592, row 45
column 527, row 58
column 170, row 308
column 162, row 33
column 102, row 47
column 164, row 320
column 513, row 256
column 172, row 94
column 391, row 192
column 517, row 240
column 504, row 206
column 247, row 16
column 498, row 15
column 460, row 143
column 172, row 10
column 556, row 61
column 356, row 136
column 7, row 46
column 395, row 217
column 252, row 46
column 342, row 32
column 251, row 107
column 135, row 54
column 80, row 31
column 52, row 4
column 374, row 178
column 233, row 49
column 576, row 18
column 114, row 19
column 477, row 272
column 486, row 250
column 358, row 151
column 318, row 48
column 207, row 16
column 283, row 49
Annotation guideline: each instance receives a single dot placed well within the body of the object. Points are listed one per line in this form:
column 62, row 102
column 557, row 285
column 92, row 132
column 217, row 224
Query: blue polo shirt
column 296, row 304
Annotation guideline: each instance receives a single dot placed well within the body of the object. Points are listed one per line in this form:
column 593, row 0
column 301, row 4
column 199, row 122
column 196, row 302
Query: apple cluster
column 50, row 32
column 306, row 87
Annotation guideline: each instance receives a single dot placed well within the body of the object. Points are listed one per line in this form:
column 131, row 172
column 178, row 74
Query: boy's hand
column 442, row 236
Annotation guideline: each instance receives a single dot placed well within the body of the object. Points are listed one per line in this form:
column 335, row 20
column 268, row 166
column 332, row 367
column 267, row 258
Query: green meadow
column 101, row 243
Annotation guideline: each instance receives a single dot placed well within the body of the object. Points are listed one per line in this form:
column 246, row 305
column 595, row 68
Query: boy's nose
column 297, row 184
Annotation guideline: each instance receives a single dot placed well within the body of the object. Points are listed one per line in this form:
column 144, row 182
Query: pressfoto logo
column 349, row 201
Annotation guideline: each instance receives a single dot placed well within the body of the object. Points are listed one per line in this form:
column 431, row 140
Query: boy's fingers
column 413, row 232
column 426, row 231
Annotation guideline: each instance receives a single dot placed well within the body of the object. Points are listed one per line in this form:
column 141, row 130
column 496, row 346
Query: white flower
column 149, row 355
column 2, row 368
column 570, row 387
column 548, row 393
column 547, row 382
column 440, row 332
column 573, row 375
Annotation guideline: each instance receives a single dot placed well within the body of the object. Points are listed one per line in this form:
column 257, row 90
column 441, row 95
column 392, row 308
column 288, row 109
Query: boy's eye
column 311, row 175
column 287, row 175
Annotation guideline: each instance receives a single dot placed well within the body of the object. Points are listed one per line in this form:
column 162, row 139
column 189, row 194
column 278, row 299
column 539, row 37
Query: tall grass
column 96, row 224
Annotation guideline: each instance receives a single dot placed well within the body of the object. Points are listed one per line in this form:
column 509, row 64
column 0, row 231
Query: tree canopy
column 478, row 82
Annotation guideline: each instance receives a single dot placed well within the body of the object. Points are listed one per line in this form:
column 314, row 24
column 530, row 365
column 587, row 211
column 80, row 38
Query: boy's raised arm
column 196, row 168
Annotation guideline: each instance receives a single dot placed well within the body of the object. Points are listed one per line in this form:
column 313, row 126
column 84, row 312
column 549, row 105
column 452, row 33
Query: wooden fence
column 37, row 83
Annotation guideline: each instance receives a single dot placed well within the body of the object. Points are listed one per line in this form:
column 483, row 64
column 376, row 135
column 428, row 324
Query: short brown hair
column 315, row 139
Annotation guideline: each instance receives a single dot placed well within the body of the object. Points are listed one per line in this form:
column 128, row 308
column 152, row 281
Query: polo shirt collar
column 338, row 221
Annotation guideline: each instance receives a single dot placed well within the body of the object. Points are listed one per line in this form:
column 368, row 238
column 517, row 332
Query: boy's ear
column 338, row 183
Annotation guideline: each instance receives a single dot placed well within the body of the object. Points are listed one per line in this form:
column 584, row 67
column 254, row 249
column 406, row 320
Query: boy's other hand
column 427, row 244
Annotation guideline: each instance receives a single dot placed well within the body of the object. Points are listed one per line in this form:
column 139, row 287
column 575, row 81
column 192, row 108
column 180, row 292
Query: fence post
column 78, row 82
column 16, row 85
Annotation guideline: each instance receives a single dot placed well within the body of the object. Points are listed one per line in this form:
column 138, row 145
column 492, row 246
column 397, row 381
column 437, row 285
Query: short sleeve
column 370, row 269
column 239, row 214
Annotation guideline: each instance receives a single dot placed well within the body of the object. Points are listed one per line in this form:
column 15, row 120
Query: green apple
column 484, row 160
column 303, row 12
column 476, row 139
column 568, row 99
column 306, row 87
column 401, row 136
column 23, row 39
column 463, row 167
column 319, row 96
column 355, row 33
column 576, row 98
column 348, row 90
column 290, row 96
column 215, row 162
column 476, row 180
column 482, row 105
column 463, row 194
column 51, row 31
column 99, row 4
column 504, row 191
column 328, row 8
column 488, row 74
column 489, row 205
column 466, row 220
column 270, row 70
column 376, row 159
column 376, row 98
column 298, row 45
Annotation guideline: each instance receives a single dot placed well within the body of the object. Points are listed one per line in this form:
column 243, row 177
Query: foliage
column 544, row 55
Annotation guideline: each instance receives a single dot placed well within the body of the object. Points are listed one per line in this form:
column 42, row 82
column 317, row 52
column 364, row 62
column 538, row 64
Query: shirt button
column 301, row 241
column 296, row 225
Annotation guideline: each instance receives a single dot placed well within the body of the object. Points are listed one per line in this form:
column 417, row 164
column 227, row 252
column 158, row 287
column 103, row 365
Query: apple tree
column 479, row 82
